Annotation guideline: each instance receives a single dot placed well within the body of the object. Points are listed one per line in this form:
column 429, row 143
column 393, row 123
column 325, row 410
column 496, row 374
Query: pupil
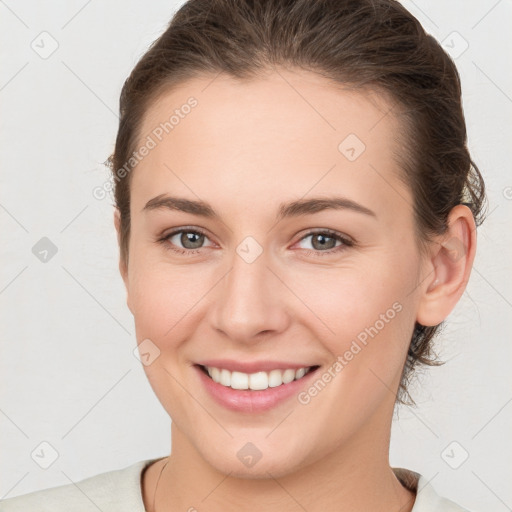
column 189, row 237
column 322, row 243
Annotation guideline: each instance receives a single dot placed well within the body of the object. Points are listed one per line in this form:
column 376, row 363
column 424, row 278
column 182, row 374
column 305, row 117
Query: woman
column 296, row 211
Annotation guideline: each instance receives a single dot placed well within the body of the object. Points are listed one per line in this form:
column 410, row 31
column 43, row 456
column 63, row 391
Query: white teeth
column 275, row 378
column 300, row 373
column 255, row 381
column 216, row 374
column 258, row 380
column 225, row 377
column 239, row 380
column 288, row 376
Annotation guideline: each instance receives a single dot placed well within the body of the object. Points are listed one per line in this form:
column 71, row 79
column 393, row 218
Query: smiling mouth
column 255, row 381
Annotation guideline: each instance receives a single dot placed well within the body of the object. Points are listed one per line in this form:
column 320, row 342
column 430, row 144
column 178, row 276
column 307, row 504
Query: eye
column 324, row 242
column 191, row 240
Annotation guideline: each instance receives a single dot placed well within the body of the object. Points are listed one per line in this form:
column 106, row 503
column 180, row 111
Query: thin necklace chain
column 156, row 487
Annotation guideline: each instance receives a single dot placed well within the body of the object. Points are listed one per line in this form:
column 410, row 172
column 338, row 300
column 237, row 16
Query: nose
column 250, row 303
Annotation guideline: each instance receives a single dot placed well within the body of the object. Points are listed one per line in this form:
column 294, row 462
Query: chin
column 261, row 470
column 249, row 462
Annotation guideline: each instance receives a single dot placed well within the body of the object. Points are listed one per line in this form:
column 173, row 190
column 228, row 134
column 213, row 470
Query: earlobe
column 451, row 260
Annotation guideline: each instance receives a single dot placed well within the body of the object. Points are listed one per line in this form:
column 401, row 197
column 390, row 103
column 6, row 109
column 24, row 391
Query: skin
column 245, row 148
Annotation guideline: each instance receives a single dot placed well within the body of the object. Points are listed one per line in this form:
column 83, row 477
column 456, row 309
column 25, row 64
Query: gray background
column 68, row 373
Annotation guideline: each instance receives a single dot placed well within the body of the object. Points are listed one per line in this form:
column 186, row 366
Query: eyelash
column 346, row 242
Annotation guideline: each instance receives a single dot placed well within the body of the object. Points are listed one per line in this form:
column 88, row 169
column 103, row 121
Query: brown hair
column 372, row 44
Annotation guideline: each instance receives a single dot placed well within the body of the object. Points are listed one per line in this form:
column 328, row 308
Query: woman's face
column 248, row 271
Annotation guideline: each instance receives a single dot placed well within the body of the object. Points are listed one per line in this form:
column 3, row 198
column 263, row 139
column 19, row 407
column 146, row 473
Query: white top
column 120, row 491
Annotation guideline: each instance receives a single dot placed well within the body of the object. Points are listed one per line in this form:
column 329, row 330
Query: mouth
column 258, row 381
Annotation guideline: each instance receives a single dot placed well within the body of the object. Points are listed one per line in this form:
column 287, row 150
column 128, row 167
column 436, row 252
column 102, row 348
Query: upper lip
column 252, row 366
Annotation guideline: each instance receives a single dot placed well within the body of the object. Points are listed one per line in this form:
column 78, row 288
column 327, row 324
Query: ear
column 448, row 267
column 122, row 266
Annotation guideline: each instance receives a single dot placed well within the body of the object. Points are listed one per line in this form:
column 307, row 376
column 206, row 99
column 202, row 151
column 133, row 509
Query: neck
column 356, row 477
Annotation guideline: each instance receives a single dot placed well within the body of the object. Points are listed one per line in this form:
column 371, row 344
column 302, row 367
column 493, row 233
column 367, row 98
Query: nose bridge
column 250, row 299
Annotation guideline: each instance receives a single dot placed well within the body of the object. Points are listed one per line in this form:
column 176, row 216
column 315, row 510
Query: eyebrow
column 285, row 210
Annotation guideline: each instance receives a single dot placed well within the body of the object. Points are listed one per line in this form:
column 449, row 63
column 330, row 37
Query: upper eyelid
column 328, row 231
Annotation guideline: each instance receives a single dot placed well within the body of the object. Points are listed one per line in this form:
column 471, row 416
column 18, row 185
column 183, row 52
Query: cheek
column 337, row 303
column 344, row 303
column 160, row 298
column 167, row 301
column 364, row 317
column 364, row 322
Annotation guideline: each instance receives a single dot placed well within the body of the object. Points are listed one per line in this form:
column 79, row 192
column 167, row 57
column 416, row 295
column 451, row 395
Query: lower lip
column 252, row 401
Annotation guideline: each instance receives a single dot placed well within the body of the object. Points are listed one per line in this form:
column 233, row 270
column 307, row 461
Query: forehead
column 287, row 132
